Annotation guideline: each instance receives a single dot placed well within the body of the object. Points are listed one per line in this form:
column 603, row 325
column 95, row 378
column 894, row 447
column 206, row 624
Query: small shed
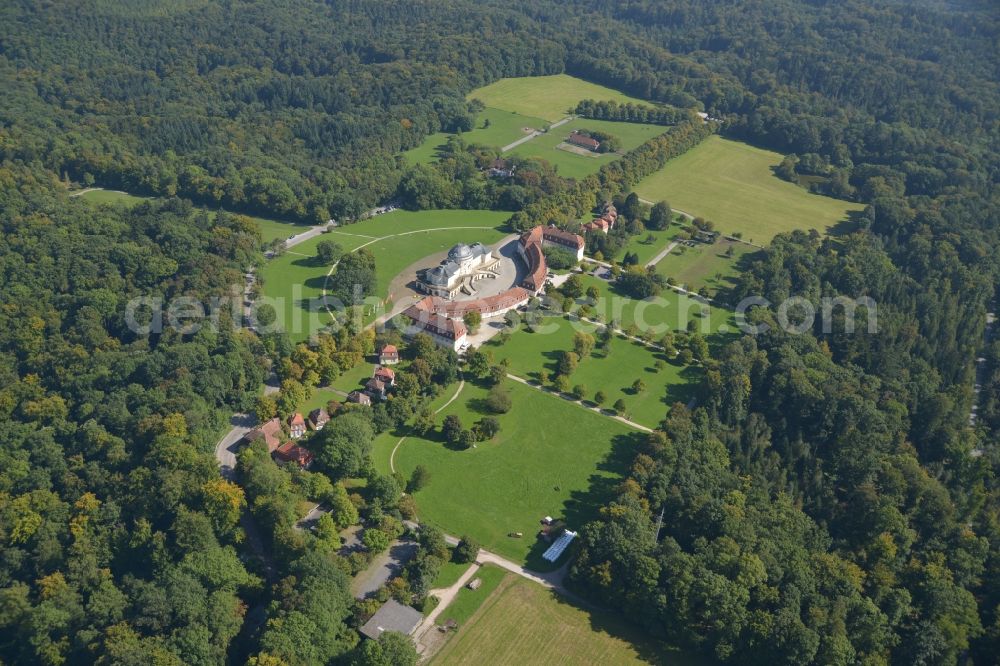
column 392, row 616
column 560, row 545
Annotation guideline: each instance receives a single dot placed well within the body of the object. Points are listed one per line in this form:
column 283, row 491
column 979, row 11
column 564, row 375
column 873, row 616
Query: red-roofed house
column 389, row 355
column 293, row 453
column 269, row 431
column 296, row 425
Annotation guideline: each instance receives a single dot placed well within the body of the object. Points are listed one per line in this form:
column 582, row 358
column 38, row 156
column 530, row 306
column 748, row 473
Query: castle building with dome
column 454, row 276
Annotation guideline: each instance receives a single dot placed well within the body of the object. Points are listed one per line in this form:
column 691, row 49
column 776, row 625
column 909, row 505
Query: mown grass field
column 573, row 165
column 731, row 184
column 551, row 457
column 646, row 251
column 467, row 601
column 385, row 442
column 293, row 285
column 504, row 127
column 613, row 372
column 705, row 265
column 98, row 197
column 668, row 310
column 549, row 97
column 295, row 280
column 450, row 572
column 523, row 624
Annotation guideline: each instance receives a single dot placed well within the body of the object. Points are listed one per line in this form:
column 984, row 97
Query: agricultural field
column 705, row 265
column 397, row 240
column 549, row 97
column 731, row 184
column 529, row 470
column 522, row 623
column 575, row 165
column 504, row 127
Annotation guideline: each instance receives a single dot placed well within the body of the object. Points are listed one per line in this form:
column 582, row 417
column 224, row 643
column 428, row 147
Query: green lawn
column 293, row 285
column 467, row 601
column 573, row 165
column 273, row 229
column 551, row 457
column 385, row 442
column 449, row 574
column 705, row 265
column 523, row 624
column 731, row 184
column 669, row 310
column 613, row 373
column 549, row 97
column 504, row 127
column 646, row 251
column 112, row 197
column 295, row 280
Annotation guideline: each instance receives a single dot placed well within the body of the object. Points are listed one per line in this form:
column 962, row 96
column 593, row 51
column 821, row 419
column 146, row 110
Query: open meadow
column 731, row 184
column 639, row 243
column 504, row 127
column 611, row 371
column 549, row 97
column 522, row 624
column 551, row 457
column 716, row 266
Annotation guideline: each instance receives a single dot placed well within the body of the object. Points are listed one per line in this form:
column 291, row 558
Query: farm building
column 584, row 141
column 392, row 616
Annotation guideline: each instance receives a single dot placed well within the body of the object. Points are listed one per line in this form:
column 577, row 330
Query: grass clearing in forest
column 732, row 184
column 579, row 165
column 549, row 97
column 504, row 127
column 269, row 229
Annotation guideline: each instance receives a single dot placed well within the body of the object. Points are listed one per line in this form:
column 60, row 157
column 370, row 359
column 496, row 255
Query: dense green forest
column 827, row 502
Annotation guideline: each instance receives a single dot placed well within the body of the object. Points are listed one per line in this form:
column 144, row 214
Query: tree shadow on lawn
column 308, row 262
column 727, row 292
column 855, row 221
column 649, row 649
column 582, row 505
column 316, row 281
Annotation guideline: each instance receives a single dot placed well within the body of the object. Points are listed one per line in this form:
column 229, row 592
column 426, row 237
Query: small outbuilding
column 392, row 616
